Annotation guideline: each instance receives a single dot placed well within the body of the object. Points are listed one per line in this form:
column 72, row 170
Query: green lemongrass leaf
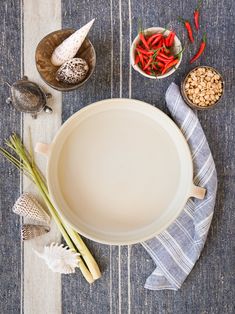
column 15, row 162
column 27, row 165
column 31, row 151
column 86, row 255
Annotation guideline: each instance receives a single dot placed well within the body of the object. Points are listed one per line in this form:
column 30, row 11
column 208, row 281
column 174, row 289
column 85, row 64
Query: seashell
column 32, row 231
column 69, row 47
column 60, row 259
column 28, row 206
column 72, row 71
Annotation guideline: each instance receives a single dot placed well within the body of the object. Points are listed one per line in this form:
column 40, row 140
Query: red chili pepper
column 145, row 57
column 152, row 37
column 188, row 28
column 159, row 58
column 137, row 59
column 139, row 49
column 166, row 50
column 160, row 64
column 155, row 47
column 161, row 54
column 200, row 50
column 148, row 72
column 148, row 64
column 171, row 39
column 168, row 40
column 157, row 39
column 141, row 59
column 142, row 38
column 169, row 65
column 196, row 15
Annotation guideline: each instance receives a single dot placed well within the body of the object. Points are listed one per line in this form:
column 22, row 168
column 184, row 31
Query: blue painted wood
column 10, row 256
column 209, row 288
column 77, row 295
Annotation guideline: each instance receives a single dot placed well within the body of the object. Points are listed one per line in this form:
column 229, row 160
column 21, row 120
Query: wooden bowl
column 188, row 101
column 48, row 71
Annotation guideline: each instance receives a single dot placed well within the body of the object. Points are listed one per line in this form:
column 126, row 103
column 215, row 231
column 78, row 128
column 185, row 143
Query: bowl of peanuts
column 203, row 87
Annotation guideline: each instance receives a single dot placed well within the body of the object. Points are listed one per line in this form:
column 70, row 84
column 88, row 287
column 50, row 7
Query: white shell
column 29, row 232
column 28, row 206
column 72, row 71
column 60, row 259
column 69, row 47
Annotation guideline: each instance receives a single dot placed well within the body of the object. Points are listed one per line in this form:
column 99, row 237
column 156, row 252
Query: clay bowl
column 47, row 70
column 188, row 101
column 177, row 47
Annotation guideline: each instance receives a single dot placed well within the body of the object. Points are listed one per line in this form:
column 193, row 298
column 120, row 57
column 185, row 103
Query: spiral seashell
column 60, row 258
column 28, row 206
column 72, row 71
column 32, row 231
column 70, row 46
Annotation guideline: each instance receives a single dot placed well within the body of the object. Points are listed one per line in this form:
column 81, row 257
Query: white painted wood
column 42, row 287
column 130, row 94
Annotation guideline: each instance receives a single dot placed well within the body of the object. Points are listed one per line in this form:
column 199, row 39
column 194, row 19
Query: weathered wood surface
column 209, row 288
column 39, row 19
column 10, row 246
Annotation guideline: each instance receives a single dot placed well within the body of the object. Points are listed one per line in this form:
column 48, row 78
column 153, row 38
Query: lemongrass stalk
column 27, row 165
column 44, row 192
column 77, row 240
column 88, row 258
column 86, row 273
column 15, row 162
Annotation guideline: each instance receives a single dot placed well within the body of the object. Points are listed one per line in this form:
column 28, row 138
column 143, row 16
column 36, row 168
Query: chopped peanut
column 203, row 86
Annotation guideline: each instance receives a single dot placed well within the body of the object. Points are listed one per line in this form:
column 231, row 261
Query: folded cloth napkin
column 176, row 250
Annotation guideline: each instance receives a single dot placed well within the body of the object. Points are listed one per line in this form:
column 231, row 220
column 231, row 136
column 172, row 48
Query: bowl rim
column 154, row 29
column 73, row 86
column 185, row 97
column 101, row 105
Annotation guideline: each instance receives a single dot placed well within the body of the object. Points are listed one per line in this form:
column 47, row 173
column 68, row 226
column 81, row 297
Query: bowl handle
column 42, row 148
column 198, row 192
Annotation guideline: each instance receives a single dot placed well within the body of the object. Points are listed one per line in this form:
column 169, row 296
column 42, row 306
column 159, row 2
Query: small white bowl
column 176, row 49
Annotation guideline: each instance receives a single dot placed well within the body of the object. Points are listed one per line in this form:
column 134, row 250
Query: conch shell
column 32, row 231
column 28, row 206
column 69, row 47
column 60, row 259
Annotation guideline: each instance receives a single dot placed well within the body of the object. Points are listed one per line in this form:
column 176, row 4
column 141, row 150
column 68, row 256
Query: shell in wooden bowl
column 48, row 71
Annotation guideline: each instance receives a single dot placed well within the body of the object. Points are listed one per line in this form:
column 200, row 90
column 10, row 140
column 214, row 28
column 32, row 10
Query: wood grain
column 10, row 246
column 48, row 71
column 41, row 290
column 208, row 289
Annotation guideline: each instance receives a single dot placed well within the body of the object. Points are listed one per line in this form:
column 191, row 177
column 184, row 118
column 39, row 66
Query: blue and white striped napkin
column 176, row 250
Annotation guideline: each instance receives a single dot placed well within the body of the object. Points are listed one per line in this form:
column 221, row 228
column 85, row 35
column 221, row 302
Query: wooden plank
column 209, row 288
column 42, row 287
column 102, row 296
column 190, row 299
column 10, row 247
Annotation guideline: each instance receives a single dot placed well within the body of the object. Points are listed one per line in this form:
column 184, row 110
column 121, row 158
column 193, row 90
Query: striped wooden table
column 26, row 284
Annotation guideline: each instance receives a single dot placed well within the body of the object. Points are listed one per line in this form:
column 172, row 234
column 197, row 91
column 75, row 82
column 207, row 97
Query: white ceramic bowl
column 119, row 171
column 176, row 49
